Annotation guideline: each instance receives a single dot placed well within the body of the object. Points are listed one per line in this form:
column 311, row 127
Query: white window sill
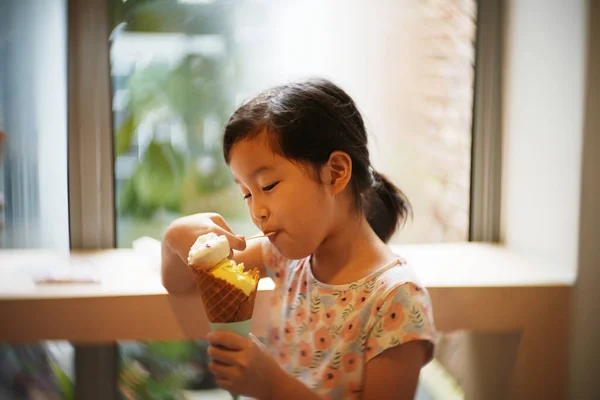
column 480, row 265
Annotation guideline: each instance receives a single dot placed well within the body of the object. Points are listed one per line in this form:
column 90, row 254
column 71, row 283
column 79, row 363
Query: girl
column 348, row 318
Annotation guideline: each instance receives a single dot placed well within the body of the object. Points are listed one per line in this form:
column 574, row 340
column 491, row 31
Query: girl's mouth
column 273, row 236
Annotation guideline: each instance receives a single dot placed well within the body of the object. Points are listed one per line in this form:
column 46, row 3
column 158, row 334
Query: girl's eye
column 270, row 187
column 264, row 188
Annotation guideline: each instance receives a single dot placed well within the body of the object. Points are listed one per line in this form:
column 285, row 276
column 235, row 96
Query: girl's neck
column 351, row 253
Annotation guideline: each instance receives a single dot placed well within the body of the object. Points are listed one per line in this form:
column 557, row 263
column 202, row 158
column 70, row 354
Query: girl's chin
column 289, row 251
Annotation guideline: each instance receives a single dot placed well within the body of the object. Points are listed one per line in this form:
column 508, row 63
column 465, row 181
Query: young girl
column 348, row 318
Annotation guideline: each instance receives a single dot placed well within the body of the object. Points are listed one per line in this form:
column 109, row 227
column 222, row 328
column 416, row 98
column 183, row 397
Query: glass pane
column 33, row 173
column 179, row 68
column 33, row 117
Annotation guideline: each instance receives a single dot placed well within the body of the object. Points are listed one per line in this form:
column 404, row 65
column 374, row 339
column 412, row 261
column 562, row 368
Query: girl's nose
column 259, row 212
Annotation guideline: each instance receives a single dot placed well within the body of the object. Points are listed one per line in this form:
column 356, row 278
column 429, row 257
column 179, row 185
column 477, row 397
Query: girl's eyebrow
column 260, row 170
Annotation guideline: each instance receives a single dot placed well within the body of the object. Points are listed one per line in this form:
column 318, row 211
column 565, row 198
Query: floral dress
column 325, row 334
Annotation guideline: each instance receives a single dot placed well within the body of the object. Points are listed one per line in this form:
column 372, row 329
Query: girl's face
column 282, row 197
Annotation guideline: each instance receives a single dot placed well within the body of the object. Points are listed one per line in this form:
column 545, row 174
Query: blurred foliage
column 65, row 384
column 160, row 370
column 187, row 95
column 171, row 16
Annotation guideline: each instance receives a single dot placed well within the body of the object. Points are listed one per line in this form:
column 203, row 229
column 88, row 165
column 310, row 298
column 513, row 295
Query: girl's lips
column 272, row 236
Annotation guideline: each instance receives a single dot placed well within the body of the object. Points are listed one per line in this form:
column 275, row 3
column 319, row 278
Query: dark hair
column 309, row 120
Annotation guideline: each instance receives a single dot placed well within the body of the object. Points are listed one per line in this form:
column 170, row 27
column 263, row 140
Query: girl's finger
column 229, row 340
column 225, row 372
column 225, row 384
column 223, row 356
column 236, row 241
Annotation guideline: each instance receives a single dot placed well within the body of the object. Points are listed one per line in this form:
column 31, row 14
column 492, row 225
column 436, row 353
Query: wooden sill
column 474, row 286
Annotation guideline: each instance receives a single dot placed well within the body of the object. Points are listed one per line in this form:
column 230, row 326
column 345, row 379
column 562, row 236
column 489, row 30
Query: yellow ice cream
column 234, row 274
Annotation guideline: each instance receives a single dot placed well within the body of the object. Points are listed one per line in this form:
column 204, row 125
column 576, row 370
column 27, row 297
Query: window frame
column 91, row 171
column 486, row 147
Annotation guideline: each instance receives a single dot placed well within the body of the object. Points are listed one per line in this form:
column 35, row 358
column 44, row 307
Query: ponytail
column 385, row 206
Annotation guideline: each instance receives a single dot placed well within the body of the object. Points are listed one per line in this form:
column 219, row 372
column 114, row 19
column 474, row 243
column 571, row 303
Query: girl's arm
column 181, row 235
column 393, row 374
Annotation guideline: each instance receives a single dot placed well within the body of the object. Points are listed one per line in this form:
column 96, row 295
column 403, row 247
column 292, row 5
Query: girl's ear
column 336, row 173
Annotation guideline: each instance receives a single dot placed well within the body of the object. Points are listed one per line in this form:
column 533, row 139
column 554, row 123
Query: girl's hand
column 242, row 365
column 178, row 239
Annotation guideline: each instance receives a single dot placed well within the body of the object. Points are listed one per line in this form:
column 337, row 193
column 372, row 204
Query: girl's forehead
column 252, row 149
column 250, row 154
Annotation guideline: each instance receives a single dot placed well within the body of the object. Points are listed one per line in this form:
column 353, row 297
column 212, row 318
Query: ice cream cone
column 224, row 302
column 227, row 307
column 228, row 291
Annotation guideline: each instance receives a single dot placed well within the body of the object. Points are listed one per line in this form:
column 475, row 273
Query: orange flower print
column 304, row 288
column 284, row 355
column 304, row 354
column 415, row 290
column 344, row 298
column 350, row 330
column 371, row 348
column 291, row 293
column 350, row 362
column 329, row 316
column 394, row 317
column 313, row 320
column 352, row 390
column 375, row 310
column 288, row 331
column 275, row 261
column 322, row 339
column 361, row 299
column 278, row 278
column 300, row 315
column 331, row 378
column 274, row 337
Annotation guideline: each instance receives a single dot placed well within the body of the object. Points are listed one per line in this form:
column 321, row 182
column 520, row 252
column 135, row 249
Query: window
column 33, row 117
column 33, row 173
column 180, row 68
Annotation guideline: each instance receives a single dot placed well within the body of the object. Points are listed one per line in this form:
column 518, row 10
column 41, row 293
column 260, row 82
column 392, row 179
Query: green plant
column 193, row 96
column 158, row 370
column 65, row 384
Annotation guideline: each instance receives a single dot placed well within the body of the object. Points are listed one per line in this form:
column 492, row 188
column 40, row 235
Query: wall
column 585, row 349
column 543, row 106
column 551, row 192
column 543, row 102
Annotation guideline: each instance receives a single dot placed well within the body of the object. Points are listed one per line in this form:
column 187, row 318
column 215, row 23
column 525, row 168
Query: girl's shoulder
column 396, row 275
column 400, row 311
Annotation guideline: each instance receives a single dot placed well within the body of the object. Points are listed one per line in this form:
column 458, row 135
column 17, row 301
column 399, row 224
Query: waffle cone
column 224, row 302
